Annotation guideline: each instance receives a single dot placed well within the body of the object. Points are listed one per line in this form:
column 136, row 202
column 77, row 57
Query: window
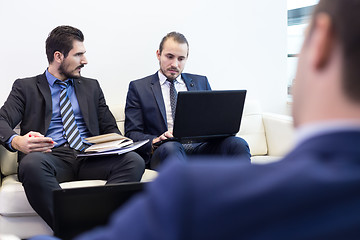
column 299, row 13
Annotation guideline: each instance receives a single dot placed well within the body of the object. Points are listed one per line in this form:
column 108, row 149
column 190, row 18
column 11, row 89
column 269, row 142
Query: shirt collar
column 311, row 130
column 163, row 78
column 51, row 79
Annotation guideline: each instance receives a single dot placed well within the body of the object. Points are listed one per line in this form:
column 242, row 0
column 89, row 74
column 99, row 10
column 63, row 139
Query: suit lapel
column 44, row 88
column 156, row 89
column 190, row 85
column 81, row 96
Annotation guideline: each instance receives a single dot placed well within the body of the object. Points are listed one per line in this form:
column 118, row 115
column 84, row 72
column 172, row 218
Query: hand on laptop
column 165, row 135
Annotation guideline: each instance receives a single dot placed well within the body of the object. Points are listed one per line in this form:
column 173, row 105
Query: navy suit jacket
column 30, row 104
column 313, row 193
column 145, row 109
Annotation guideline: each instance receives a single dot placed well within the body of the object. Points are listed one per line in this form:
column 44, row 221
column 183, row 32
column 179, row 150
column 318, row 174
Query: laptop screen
column 204, row 114
column 77, row 210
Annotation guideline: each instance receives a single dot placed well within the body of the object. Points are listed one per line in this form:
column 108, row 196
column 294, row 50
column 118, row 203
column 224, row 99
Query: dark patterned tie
column 72, row 134
column 173, row 97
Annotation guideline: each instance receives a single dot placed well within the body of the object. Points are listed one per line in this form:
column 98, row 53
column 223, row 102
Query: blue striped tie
column 72, row 134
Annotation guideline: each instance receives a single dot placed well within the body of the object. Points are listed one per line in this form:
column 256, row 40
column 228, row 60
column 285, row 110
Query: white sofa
column 269, row 137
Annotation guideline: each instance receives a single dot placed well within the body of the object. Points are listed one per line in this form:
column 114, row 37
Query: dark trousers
column 236, row 147
column 41, row 173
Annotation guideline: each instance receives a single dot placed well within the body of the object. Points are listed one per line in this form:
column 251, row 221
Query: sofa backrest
column 118, row 111
column 252, row 127
column 252, row 130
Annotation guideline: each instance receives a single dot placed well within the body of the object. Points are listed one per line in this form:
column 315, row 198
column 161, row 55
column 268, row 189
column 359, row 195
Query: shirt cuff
column 8, row 142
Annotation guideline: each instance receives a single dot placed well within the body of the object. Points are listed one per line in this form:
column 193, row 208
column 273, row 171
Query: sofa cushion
column 12, row 193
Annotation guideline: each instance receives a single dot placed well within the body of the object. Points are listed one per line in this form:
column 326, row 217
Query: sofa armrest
column 279, row 132
column 8, row 161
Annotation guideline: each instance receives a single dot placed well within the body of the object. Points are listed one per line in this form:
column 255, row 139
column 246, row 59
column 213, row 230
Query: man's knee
column 236, row 145
column 135, row 160
column 170, row 148
column 32, row 164
column 31, row 159
column 165, row 151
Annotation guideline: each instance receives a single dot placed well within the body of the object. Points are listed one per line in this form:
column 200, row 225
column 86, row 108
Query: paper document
column 121, row 150
column 106, row 142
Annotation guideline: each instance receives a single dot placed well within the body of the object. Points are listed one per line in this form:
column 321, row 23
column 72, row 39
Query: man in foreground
column 56, row 111
column 313, row 193
column 151, row 103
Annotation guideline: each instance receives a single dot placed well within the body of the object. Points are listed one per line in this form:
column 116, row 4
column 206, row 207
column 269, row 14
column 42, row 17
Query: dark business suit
column 30, row 104
column 146, row 117
column 313, row 193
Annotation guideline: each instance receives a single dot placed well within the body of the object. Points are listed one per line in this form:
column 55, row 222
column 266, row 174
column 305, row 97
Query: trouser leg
column 40, row 174
column 172, row 149
column 230, row 146
column 128, row 167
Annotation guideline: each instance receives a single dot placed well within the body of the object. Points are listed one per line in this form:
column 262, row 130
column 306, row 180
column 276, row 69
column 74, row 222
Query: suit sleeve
column 11, row 113
column 134, row 120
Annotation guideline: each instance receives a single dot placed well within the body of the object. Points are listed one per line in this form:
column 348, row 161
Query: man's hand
column 32, row 142
column 165, row 135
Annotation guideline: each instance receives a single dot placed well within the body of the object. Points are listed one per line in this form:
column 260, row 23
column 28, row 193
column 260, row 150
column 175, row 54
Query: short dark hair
column 61, row 39
column 177, row 37
column 345, row 19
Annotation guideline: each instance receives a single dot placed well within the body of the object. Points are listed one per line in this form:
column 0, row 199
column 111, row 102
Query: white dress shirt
column 316, row 129
column 165, row 89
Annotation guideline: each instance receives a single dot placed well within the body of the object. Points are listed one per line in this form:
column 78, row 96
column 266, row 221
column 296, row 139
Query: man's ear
column 322, row 40
column 158, row 54
column 58, row 56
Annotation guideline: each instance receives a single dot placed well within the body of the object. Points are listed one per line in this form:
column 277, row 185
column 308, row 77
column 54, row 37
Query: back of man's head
column 61, row 39
column 327, row 85
column 345, row 16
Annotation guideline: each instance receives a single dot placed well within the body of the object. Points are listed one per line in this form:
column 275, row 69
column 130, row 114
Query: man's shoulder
column 87, row 82
column 87, row 79
column 145, row 79
column 193, row 76
column 199, row 80
column 29, row 82
column 32, row 78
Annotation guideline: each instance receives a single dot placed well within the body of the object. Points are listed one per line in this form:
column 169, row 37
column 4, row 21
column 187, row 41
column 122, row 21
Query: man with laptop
column 151, row 106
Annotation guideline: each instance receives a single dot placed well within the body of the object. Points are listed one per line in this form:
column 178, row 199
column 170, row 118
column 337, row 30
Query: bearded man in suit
column 56, row 111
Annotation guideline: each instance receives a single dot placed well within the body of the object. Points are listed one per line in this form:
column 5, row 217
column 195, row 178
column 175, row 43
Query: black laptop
column 205, row 115
column 77, row 210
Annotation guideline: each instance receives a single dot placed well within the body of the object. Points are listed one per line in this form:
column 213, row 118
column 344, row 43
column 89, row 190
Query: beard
column 68, row 74
column 169, row 75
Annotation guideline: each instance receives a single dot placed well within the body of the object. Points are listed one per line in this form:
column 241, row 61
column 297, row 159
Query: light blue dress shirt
column 56, row 130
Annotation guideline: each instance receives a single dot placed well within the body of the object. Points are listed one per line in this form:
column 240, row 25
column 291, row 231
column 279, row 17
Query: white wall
column 238, row 44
